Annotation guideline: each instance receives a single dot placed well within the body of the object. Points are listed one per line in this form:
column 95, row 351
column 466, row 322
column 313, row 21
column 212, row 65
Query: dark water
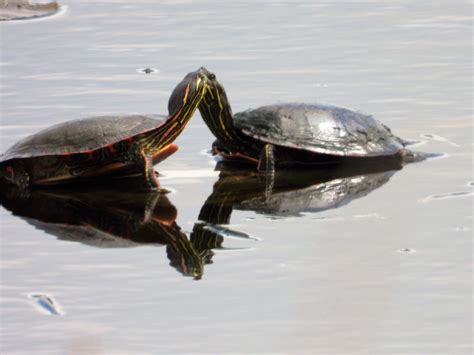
column 352, row 262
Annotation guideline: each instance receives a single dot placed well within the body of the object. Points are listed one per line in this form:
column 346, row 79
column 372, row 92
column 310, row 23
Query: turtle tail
column 409, row 156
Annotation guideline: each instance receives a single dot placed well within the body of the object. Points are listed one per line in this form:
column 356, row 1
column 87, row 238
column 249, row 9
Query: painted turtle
column 289, row 135
column 104, row 145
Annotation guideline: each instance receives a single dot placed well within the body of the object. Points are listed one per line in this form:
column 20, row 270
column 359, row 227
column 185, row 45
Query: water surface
column 309, row 273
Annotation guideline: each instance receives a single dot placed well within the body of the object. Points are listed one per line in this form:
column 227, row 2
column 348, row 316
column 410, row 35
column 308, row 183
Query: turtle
column 291, row 135
column 104, row 145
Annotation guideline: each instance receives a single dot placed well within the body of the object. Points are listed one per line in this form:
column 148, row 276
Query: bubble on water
column 406, row 250
column 148, row 71
column 321, row 85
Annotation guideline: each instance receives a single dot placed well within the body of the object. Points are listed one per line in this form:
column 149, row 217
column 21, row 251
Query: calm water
column 374, row 264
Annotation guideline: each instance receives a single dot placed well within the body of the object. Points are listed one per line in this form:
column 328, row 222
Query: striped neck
column 175, row 123
column 217, row 114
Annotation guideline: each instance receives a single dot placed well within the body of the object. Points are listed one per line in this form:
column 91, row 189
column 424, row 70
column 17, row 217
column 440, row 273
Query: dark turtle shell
column 323, row 129
column 82, row 136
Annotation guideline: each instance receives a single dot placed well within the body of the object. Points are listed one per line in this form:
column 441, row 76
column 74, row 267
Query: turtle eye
column 212, row 76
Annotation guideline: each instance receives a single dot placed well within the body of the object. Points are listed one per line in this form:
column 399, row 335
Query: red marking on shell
column 10, row 170
column 130, row 140
column 90, row 154
column 67, row 154
column 111, row 148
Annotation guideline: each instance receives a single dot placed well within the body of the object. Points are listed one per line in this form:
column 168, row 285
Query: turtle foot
column 16, row 175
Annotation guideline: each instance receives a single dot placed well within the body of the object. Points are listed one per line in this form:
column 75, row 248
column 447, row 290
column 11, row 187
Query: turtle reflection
column 281, row 195
column 107, row 218
column 286, row 193
column 118, row 217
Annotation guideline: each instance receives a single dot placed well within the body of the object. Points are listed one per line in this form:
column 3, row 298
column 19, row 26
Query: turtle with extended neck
column 104, row 145
column 283, row 136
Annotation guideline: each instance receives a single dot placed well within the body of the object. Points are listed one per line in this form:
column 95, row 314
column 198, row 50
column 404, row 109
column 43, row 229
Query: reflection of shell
column 82, row 234
column 105, row 219
column 319, row 197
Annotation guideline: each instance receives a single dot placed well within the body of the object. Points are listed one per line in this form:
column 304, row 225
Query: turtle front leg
column 164, row 153
column 146, row 164
column 266, row 163
column 17, row 175
column 266, row 168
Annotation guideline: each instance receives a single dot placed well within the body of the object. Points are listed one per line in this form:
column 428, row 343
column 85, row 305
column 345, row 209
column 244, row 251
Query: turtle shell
column 322, row 129
column 82, row 135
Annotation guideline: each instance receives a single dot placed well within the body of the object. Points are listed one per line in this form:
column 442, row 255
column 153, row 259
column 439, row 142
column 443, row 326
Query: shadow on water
column 115, row 217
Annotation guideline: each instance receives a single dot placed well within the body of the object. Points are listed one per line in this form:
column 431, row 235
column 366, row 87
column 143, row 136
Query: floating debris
column 148, row 71
column 26, row 9
column 46, row 304
column 406, row 250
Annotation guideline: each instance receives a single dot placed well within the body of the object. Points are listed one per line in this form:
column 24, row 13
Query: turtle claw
column 163, row 191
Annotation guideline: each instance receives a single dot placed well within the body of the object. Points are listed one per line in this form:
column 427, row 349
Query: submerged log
column 25, row 9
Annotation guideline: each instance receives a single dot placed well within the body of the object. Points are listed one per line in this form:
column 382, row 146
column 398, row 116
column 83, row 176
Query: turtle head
column 186, row 261
column 216, row 111
column 187, row 95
